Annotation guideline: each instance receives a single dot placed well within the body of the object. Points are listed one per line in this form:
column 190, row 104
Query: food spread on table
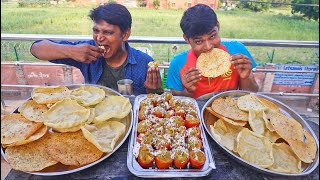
column 168, row 134
column 58, row 125
column 255, row 129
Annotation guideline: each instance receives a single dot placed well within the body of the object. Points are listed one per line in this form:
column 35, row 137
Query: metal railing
column 162, row 40
column 173, row 40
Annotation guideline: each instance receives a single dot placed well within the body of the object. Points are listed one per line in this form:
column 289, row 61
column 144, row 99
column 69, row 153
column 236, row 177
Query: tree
column 255, row 6
column 311, row 12
column 156, row 3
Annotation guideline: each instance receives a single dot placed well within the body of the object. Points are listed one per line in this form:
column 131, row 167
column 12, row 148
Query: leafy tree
column 156, row 3
column 112, row 1
column 311, row 12
column 255, row 6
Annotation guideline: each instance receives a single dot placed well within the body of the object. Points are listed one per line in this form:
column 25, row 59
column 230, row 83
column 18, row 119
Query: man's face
column 109, row 36
column 206, row 42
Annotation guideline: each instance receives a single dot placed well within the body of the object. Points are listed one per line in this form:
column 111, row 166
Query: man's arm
column 47, row 50
column 249, row 84
column 181, row 93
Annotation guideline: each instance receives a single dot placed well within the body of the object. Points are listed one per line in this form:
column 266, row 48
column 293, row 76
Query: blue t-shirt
column 178, row 61
column 135, row 68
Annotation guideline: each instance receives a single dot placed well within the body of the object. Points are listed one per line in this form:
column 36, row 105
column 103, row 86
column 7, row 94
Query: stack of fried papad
column 213, row 63
column 112, row 107
column 88, row 95
column 47, row 129
column 254, row 128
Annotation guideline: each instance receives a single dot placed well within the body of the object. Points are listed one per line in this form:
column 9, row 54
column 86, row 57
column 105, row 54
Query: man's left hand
column 242, row 65
column 153, row 81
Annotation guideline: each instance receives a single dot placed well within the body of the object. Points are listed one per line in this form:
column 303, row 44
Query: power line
column 292, row 4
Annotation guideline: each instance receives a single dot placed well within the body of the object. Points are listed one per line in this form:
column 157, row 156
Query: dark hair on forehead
column 198, row 20
column 112, row 13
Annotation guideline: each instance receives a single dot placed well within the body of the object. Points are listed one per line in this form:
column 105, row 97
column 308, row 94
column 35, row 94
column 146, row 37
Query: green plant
column 255, row 6
column 156, row 3
column 311, row 12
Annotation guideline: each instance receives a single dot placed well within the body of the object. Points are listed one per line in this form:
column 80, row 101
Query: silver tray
column 60, row 169
column 306, row 168
column 137, row 170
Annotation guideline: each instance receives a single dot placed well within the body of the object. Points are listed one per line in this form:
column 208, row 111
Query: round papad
column 214, row 63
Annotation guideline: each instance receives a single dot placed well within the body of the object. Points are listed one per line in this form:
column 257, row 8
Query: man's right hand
column 86, row 53
column 190, row 78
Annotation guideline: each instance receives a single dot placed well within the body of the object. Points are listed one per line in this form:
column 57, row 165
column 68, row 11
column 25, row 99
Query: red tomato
column 180, row 112
column 167, row 96
column 143, row 126
column 158, row 111
column 197, row 159
column 141, row 114
column 163, row 160
column 191, row 121
column 145, row 158
column 140, row 137
column 181, row 159
column 194, row 131
column 161, row 142
column 194, row 143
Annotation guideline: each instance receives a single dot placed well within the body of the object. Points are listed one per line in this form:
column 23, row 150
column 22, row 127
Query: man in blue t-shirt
column 200, row 28
column 108, row 57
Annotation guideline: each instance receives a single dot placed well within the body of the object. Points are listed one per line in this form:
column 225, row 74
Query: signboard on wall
column 296, row 79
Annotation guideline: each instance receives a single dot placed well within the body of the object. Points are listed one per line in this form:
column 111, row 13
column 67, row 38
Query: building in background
column 182, row 4
column 164, row 4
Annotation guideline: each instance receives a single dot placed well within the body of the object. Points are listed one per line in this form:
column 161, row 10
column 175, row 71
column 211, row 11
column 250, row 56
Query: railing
column 176, row 40
column 162, row 40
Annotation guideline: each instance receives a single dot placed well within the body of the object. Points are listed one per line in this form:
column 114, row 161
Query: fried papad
column 255, row 148
column 72, row 148
column 305, row 150
column 250, row 102
column 257, row 122
column 226, row 134
column 88, row 95
column 230, row 121
column 48, row 95
column 37, row 135
column 272, row 136
column 112, row 107
column 104, row 135
column 30, row 157
column 15, row 127
column 286, row 127
column 214, row 63
column 285, row 160
column 228, row 108
column 33, row 111
column 77, row 128
column 66, row 114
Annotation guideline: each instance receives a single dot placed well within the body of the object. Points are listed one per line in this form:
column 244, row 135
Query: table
column 115, row 166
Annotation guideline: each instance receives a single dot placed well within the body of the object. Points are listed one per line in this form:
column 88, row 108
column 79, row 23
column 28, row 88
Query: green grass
column 277, row 24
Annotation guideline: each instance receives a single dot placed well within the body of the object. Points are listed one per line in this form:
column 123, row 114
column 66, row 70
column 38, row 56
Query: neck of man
column 118, row 58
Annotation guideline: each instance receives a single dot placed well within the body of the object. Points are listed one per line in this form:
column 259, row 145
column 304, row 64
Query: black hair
column 198, row 20
column 112, row 13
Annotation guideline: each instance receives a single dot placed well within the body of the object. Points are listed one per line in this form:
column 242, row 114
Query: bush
column 311, row 12
column 255, row 6
column 34, row 3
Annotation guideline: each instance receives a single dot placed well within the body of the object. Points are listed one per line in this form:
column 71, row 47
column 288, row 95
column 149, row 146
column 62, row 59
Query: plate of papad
column 261, row 133
column 214, row 63
column 56, row 131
